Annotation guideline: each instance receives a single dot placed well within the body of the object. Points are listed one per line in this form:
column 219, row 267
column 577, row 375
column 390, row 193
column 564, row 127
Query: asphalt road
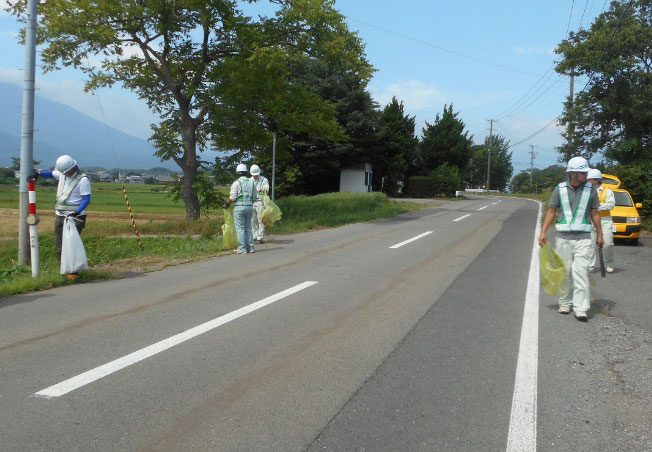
column 400, row 334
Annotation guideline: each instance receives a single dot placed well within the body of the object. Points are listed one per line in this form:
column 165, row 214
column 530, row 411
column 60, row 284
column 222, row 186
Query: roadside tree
column 501, row 163
column 176, row 56
column 612, row 115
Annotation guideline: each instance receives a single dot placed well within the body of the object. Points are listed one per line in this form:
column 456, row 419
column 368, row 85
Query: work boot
column 581, row 315
column 564, row 309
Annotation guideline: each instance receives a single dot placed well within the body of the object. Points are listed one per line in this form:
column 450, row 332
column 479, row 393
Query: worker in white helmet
column 243, row 195
column 262, row 187
column 577, row 202
column 73, row 195
column 607, row 202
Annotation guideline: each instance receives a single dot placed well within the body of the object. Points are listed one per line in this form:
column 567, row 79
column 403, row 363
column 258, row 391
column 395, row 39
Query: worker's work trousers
column 256, row 221
column 242, row 219
column 79, row 221
column 577, row 255
column 608, row 248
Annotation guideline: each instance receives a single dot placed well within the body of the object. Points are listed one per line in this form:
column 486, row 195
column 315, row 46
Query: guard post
column 32, row 221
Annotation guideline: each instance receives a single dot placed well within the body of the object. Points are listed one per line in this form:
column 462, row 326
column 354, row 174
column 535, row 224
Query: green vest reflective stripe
column 245, row 198
column 574, row 221
column 62, row 195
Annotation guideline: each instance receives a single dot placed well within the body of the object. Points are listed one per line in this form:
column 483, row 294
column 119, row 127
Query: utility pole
column 531, row 162
column 273, row 162
column 571, row 126
column 27, row 129
column 491, row 128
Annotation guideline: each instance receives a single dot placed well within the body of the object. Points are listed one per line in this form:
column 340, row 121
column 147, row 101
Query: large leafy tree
column 445, row 141
column 501, row 163
column 396, row 145
column 544, row 179
column 182, row 58
column 308, row 160
column 612, row 115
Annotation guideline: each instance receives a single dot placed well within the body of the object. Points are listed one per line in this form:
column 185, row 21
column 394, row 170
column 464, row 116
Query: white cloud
column 414, row 94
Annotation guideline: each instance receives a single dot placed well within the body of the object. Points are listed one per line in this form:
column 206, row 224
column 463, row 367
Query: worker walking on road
column 576, row 201
column 262, row 187
column 73, row 195
column 607, row 202
column 243, row 195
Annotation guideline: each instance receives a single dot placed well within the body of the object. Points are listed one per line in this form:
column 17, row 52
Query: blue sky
column 491, row 60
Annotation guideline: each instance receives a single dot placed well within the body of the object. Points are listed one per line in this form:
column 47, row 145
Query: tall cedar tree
column 176, row 55
column 613, row 113
column 445, row 141
column 396, row 145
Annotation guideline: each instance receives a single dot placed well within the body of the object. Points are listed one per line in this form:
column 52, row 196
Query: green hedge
column 443, row 181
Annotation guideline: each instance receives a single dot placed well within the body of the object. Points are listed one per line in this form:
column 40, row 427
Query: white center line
column 482, row 208
column 398, row 245
column 462, row 217
column 494, row 203
column 523, row 422
column 99, row 372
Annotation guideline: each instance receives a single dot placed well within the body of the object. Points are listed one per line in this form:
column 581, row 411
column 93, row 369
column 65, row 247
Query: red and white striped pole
column 32, row 221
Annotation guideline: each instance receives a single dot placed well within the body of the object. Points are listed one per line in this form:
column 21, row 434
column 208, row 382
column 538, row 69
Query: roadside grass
column 111, row 246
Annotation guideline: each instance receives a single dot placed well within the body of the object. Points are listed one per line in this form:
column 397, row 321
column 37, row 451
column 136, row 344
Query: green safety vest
column 574, row 221
column 246, row 198
column 62, row 195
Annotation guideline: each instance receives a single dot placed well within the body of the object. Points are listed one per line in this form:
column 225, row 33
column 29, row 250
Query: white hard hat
column 594, row 174
column 578, row 165
column 241, row 168
column 65, row 163
column 255, row 170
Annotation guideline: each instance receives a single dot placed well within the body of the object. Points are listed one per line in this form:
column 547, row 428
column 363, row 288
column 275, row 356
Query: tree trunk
column 189, row 166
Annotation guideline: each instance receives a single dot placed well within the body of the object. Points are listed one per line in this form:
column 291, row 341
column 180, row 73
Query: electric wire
column 111, row 145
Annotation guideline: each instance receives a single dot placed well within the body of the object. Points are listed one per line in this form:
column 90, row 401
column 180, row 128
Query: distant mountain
column 60, row 129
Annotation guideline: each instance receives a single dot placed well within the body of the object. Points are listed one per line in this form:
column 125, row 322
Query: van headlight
column 633, row 219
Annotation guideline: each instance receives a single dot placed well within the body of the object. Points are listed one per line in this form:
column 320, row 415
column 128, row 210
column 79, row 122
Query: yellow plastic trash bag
column 229, row 234
column 271, row 212
column 552, row 268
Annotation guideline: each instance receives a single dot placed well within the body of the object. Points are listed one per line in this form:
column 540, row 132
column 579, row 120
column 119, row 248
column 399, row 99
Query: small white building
column 356, row 179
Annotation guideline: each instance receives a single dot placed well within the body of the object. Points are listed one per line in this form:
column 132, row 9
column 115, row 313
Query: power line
column 441, row 48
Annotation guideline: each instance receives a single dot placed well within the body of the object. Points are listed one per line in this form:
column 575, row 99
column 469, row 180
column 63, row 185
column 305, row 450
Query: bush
column 442, row 181
column 637, row 179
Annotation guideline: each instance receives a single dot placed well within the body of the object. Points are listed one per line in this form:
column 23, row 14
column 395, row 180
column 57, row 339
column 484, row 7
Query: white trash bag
column 73, row 254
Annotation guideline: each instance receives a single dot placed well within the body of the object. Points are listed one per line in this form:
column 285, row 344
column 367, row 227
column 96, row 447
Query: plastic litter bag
column 229, row 234
column 73, row 254
column 552, row 268
column 271, row 212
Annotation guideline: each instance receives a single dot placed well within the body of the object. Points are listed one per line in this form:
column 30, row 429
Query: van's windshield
column 622, row 199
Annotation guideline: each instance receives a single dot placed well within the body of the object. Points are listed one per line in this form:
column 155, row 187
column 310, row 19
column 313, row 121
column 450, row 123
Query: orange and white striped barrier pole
column 32, row 221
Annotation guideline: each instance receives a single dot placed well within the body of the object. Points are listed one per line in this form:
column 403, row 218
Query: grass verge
column 111, row 248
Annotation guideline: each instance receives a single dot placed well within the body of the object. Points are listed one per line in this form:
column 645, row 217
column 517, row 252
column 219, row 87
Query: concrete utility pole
column 273, row 163
column 571, row 127
column 27, row 126
column 491, row 129
column 531, row 162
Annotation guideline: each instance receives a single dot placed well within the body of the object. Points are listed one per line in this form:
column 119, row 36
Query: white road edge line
column 398, row 245
column 482, row 208
column 523, row 421
column 106, row 369
column 463, row 217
